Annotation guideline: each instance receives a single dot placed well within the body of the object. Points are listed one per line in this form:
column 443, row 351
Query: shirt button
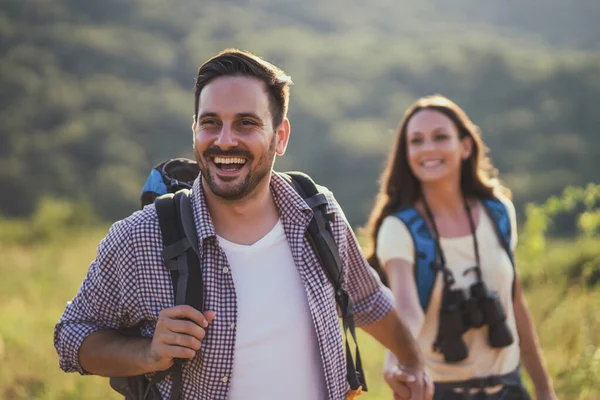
column 232, row 326
column 225, row 270
column 225, row 379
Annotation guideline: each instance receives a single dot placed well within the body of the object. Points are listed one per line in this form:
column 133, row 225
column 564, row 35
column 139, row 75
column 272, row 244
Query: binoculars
column 459, row 314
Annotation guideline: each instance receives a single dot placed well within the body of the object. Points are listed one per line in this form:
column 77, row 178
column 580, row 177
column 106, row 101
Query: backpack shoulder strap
column 320, row 236
column 181, row 256
column 498, row 213
column 181, row 253
column 425, row 268
column 319, row 230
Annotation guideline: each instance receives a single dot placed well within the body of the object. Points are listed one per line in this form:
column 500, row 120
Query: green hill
column 95, row 93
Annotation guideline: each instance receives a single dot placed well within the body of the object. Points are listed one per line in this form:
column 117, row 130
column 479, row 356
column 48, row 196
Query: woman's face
column 434, row 149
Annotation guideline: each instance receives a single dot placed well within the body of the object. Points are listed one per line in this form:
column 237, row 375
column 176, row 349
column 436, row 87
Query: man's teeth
column 229, row 160
column 431, row 163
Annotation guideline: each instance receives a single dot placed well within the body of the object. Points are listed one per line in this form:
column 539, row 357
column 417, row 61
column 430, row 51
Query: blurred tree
column 93, row 94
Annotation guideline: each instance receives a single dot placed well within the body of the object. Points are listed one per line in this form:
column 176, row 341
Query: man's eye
column 247, row 123
column 208, row 122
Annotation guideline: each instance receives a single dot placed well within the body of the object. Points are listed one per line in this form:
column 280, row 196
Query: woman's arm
column 402, row 283
column 401, row 278
column 531, row 352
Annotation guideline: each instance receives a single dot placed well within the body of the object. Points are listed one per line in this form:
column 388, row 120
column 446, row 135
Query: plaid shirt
column 128, row 285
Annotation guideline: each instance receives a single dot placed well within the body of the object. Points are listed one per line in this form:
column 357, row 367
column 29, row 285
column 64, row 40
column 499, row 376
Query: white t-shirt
column 276, row 350
column 395, row 242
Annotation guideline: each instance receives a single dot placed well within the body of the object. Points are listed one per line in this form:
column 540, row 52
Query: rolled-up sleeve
column 371, row 299
column 102, row 300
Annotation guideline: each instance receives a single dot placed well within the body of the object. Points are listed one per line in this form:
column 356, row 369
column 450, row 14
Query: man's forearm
column 393, row 334
column 110, row 353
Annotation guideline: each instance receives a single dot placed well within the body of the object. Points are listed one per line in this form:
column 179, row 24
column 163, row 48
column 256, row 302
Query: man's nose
column 226, row 138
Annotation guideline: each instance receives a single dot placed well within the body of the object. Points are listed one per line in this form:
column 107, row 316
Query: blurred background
column 94, row 93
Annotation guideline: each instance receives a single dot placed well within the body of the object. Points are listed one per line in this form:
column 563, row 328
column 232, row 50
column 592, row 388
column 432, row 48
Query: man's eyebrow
column 208, row 114
column 238, row 115
column 248, row 114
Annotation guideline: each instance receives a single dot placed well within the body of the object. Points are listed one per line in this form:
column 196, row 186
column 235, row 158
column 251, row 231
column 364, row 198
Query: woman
column 438, row 225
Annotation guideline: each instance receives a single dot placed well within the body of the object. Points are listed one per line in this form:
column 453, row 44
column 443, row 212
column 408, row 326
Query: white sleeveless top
column 395, row 242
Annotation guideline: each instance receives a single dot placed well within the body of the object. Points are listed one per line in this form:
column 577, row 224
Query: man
column 271, row 329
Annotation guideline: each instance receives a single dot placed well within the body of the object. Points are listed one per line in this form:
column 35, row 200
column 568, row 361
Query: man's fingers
column 429, row 388
column 163, row 354
column 398, row 382
column 401, row 391
column 403, row 376
column 417, row 390
column 181, row 340
column 173, row 352
column 185, row 327
column 178, row 334
column 209, row 315
column 409, row 386
column 185, row 311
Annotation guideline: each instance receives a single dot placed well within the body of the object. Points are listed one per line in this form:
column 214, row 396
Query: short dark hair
column 234, row 62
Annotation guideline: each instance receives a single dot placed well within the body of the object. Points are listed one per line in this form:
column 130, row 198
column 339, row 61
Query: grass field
column 41, row 269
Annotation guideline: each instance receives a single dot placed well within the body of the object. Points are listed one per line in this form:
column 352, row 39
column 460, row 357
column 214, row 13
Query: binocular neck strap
column 448, row 277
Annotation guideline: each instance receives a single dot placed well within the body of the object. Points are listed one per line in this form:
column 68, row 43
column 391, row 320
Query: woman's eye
column 441, row 138
column 416, row 141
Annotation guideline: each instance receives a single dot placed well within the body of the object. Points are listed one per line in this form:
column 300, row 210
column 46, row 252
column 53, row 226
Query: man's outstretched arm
column 375, row 313
column 391, row 332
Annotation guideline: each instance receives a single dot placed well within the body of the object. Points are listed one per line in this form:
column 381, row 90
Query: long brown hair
column 400, row 188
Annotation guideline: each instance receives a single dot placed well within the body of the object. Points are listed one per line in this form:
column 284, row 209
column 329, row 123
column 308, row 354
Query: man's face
column 234, row 139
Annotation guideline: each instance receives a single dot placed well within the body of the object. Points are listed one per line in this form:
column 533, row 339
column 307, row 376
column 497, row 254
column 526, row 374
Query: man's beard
column 253, row 178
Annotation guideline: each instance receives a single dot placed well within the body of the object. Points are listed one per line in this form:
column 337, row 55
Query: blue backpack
column 425, row 254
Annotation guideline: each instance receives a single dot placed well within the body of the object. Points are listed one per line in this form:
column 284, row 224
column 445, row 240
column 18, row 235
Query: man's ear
column 194, row 124
column 283, row 136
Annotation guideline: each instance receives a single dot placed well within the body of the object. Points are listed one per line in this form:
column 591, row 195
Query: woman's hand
column 406, row 385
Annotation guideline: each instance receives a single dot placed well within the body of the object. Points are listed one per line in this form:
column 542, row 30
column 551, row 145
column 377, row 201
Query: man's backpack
column 169, row 176
column 181, row 257
column 425, row 267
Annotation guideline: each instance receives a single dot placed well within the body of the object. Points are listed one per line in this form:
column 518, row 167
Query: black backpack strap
column 319, row 229
column 320, row 235
column 181, row 256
